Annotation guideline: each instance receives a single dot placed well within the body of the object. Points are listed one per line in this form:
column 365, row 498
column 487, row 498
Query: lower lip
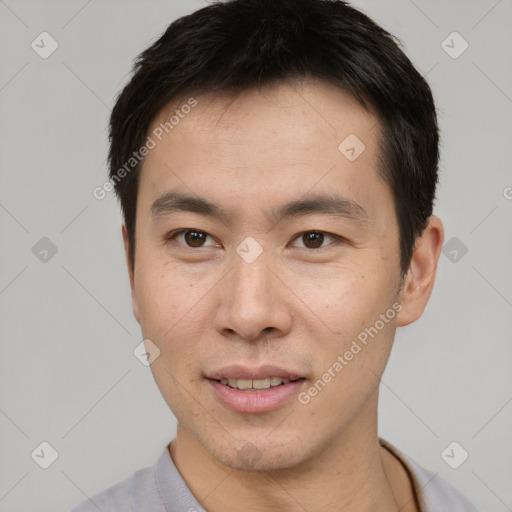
column 264, row 400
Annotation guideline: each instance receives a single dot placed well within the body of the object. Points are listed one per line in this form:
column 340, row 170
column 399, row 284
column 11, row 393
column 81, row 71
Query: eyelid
column 337, row 238
column 173, row 234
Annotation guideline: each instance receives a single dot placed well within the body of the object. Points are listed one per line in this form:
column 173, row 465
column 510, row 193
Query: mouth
column 256, row 384
column 254, row 390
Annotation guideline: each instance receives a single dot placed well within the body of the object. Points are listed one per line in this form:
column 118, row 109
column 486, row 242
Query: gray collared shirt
column 161, row 488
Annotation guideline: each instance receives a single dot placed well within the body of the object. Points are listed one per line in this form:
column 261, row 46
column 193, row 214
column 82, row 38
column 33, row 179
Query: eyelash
column 171, row 237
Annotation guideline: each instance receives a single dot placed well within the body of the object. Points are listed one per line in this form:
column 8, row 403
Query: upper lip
column 254, row 373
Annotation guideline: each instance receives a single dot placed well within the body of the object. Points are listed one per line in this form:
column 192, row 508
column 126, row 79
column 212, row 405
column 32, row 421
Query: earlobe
column 131, row 272
column 419, row 281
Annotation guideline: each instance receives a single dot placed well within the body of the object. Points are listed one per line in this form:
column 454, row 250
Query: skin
column 205, row 307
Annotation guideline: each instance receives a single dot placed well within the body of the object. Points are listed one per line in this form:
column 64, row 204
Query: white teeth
column 247, row 384
column 243, row 384
column 261, row 384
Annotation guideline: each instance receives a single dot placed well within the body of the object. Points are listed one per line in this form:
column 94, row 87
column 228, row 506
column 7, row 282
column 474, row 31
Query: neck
column 349, row 474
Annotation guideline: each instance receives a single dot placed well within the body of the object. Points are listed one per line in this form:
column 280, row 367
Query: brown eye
column 314, row 239
column 194, row 238
column 191, row 238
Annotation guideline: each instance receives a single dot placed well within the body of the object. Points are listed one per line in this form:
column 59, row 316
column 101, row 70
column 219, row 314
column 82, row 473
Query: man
column 276, row 163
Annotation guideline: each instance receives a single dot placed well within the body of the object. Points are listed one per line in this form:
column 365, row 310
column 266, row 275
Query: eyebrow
column 323, row 204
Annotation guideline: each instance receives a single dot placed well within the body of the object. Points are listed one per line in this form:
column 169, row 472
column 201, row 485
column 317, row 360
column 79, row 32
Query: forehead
column 296, row 110
column 283, row 139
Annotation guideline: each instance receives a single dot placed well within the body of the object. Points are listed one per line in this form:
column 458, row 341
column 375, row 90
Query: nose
column 254, row 303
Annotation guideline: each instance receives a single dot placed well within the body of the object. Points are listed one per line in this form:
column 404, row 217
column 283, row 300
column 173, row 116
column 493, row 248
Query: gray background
column 68, row 374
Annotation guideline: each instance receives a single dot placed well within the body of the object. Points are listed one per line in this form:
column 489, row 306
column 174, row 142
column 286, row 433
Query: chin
column 258, row 454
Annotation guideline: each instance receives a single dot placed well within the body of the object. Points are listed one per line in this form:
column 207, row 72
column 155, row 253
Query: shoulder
column 434, row 493
column 124, row 496
column 159, row 488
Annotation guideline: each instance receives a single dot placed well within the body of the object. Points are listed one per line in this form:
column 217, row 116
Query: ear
column 419, row 281
column 126, row 241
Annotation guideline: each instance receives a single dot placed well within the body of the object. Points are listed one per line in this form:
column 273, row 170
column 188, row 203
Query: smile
column 255, row 384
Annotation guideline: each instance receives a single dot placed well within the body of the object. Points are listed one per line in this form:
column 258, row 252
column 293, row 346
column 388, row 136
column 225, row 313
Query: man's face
column 233, row 295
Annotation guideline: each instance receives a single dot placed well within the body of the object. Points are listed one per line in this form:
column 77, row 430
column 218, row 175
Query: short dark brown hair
column 236, row 45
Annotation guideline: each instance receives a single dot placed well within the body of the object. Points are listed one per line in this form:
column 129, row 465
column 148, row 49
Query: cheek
column 357, row 320
column 349, row 368
column 167, row 302
column 170, row 316
column 344, row 301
